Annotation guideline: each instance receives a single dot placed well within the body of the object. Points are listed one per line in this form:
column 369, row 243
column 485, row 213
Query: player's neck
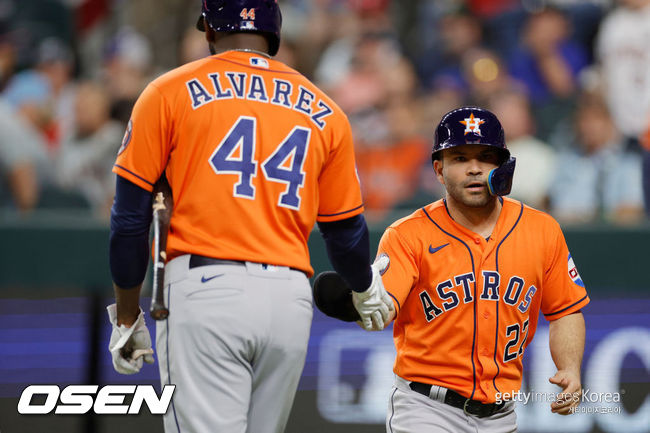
column 480, row 220
column 241, row 42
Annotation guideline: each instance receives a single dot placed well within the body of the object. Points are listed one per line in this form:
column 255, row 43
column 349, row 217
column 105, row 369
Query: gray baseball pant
column 412, row 412
column 234, row 345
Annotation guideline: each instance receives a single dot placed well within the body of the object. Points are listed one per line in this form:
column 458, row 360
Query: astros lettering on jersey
column 286, row 164
column 468, row 306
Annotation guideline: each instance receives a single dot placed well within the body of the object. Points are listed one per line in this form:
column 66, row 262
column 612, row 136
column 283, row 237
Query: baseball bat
column 158, row 310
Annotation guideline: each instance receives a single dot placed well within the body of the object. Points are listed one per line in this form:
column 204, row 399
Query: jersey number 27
column 284, row 165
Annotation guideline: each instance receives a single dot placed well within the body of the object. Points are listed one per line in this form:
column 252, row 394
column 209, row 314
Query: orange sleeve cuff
column 133, row 177
column 324, row 218
column 568, row 310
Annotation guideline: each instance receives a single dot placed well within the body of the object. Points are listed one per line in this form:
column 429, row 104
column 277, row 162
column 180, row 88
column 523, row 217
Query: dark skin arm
column 128, row 304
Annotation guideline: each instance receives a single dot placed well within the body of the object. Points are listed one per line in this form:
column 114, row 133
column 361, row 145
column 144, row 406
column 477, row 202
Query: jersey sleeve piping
column 399, row 307
column 137, row 179
column 567, row 309
column 329, row 215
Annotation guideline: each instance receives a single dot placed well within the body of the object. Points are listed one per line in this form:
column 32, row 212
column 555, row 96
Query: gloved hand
column 374, row 305
column 131, row 346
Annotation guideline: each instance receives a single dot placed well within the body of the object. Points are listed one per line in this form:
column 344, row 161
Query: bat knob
column 159, row 313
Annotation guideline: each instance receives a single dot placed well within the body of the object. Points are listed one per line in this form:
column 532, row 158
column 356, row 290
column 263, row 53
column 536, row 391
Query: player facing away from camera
column 469, row 275
column 255, row 155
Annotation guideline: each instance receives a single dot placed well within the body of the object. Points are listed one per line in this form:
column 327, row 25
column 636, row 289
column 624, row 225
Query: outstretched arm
column 348, row 249
column 567, row 342
column 347, row 244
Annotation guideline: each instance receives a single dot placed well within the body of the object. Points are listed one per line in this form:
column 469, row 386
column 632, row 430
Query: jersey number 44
column 284, row 165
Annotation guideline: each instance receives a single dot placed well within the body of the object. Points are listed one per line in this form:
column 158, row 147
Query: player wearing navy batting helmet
column 236, row 16
column 470, row 275
column 475, row 125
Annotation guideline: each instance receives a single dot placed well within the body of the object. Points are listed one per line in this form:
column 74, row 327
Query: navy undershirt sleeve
column 348, row 248
column 129, row 240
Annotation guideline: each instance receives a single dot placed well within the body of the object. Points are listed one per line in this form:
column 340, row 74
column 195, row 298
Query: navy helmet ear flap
column 500, row 178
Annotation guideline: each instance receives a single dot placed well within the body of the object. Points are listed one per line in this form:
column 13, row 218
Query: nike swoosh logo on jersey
column 433, row 250
column 205, row 280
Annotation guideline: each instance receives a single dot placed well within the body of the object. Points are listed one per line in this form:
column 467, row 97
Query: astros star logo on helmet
column 472, row 124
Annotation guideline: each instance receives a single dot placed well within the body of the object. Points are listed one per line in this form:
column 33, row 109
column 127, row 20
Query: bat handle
column 158, row 311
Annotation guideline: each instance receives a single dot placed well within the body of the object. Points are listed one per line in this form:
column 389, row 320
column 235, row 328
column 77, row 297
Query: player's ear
column 437, row 168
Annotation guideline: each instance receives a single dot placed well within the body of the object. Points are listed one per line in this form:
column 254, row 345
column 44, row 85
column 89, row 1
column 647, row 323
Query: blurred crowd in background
column 569, row 80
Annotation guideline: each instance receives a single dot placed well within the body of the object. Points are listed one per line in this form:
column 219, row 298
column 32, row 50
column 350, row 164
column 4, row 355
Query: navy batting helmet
column 256, row 16
column 474, row 125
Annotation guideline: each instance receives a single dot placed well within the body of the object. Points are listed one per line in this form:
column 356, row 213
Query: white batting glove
column 374, row 305
column 131, row 346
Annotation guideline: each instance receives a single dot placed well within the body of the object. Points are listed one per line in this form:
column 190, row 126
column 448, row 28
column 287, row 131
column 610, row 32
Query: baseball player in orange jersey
column 254, row 154
column 468, row 275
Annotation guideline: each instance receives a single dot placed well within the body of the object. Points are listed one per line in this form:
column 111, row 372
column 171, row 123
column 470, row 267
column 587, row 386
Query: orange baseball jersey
column 467, row 306
column 254, row 154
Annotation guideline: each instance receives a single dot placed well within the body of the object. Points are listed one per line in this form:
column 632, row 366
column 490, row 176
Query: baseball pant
column 234, row 345
column 410, row 411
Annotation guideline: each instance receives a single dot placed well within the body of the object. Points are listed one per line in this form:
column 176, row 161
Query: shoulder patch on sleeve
column 573, row 272
column 385, row 262
column 127, row 137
